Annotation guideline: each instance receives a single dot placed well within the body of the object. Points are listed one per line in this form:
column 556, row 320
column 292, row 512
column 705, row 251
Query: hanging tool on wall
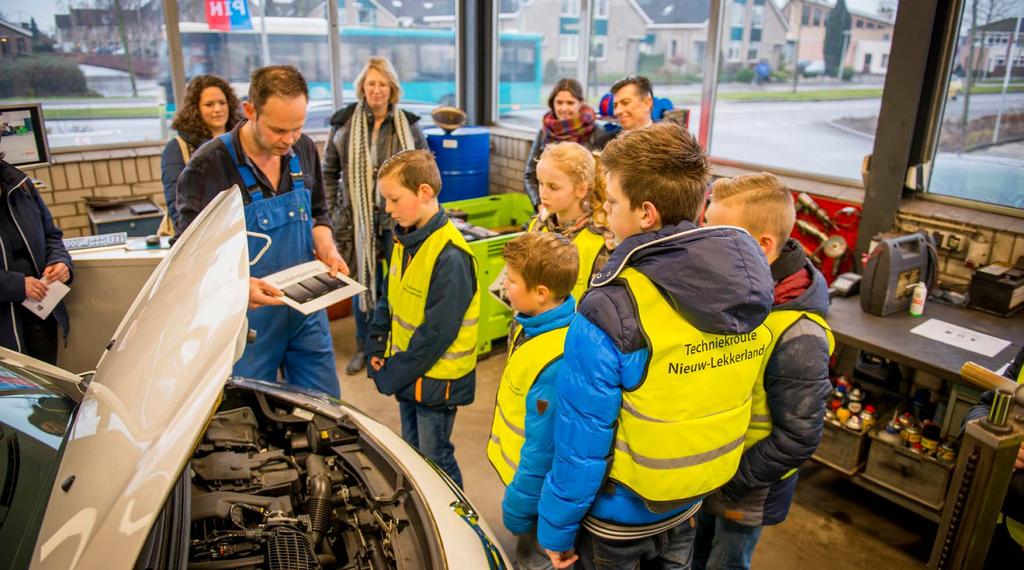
column 808, row 204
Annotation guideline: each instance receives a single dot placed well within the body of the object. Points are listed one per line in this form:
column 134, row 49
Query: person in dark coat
column 569, row 119
column 34, row 257
column 363, row 135
column 210, row 109
column 795, row 380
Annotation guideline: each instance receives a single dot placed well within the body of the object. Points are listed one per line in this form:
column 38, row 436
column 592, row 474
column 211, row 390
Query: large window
column 795, row 113
column 979, row 153
column 258, row 33
column 98, row 66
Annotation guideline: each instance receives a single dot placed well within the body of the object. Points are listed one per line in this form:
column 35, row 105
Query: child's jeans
column 429, row 429
column 530, row 555
column 669, row 550
column 722, row 544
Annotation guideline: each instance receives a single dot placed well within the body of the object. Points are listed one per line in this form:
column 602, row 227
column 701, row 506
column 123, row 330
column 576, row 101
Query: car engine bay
column 275, row 486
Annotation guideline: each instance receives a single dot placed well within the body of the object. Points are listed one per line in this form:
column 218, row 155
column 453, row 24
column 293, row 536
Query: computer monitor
column 23, row 136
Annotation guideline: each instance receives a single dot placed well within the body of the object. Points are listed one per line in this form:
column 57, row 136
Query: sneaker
column 356, row 363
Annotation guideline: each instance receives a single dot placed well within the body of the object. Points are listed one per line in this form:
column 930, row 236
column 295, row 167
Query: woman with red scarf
column 569, row 119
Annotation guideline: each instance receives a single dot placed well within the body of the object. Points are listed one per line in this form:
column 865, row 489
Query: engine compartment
column 276, row 486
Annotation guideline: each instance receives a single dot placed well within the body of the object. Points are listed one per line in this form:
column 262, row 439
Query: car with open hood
column 160, row 459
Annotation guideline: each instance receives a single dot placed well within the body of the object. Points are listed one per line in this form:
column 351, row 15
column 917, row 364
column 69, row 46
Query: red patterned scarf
column 575, row 130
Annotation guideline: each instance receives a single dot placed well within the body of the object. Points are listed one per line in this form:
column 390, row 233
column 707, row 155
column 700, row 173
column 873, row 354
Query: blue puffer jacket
column 45, row 244
column 719, row 281
column 797, row 384
column 519, row 508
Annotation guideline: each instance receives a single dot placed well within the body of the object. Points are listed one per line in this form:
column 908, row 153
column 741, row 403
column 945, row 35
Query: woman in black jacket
column 34, row 257
column 363, row 135
column 210, row 109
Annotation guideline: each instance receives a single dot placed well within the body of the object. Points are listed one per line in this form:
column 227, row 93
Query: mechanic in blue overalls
column 279, row 171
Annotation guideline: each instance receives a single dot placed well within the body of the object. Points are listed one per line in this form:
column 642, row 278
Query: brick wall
column 509, row 151
column 74, row 176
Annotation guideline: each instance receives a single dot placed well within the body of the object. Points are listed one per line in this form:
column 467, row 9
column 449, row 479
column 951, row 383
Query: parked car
column 813, row 68
column 159, row 460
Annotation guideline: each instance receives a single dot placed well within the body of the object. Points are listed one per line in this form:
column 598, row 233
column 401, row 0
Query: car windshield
column 35, row 418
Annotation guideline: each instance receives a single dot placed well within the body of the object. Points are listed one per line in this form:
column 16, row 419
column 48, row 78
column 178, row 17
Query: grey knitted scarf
column 362, row 188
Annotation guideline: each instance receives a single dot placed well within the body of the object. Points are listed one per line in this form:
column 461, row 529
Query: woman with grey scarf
column 363, row 135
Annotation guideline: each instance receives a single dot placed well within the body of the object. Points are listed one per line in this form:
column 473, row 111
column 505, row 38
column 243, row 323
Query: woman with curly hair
column 210, row 109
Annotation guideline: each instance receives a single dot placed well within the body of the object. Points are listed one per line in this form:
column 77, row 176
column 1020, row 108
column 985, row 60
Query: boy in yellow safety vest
column 421, row 344
column 789, row 397
column 660, row 363
column 542, row 269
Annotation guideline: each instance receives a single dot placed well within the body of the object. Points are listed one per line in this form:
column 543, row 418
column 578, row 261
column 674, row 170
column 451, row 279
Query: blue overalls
column 285, row 338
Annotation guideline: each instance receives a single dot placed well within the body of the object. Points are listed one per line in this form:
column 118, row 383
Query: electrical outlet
column 953, row 242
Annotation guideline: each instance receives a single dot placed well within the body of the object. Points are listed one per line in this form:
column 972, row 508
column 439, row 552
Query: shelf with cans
column 889, row 429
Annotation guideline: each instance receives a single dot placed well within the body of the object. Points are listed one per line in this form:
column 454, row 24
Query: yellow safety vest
column 680, row 432
column 588, row 246
column 407, row 297
column 525, row 364
column 760, row 416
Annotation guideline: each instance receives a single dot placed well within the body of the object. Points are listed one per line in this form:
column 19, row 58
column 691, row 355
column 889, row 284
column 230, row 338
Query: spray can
column 917, row 301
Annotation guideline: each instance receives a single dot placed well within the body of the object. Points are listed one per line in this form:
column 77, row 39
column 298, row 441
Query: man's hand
column 1019, row 463
column 376, row 363
column 327, row 251
column 262, row 293
column 57, row 272
column 562, row 559
column 35, row 289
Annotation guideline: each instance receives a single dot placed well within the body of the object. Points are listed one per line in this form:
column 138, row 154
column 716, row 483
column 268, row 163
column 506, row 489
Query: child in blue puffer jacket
column 541, row 272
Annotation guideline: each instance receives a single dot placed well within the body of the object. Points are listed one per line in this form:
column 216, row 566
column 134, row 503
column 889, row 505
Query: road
column 792, row 135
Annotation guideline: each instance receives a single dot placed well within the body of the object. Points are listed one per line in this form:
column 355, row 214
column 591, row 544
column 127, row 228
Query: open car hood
column 154, row 390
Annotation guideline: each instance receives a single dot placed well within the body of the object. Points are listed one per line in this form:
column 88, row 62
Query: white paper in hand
column 308, row 287
column 54, row 294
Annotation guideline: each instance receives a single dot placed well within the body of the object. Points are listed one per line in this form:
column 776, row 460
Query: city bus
column 423, row 57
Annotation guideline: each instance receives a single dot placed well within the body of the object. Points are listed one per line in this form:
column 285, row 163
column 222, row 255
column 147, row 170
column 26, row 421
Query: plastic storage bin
column 500, row 211
column 464, row 160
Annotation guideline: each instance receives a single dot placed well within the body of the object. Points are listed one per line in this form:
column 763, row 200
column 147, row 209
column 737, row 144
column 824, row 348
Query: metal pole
column 174, row 52
column 264, row 42
column 583, row 57
column 334, row 57
column 1006, row 79
column 842, row 57
column 709, row 90
column 796, row 46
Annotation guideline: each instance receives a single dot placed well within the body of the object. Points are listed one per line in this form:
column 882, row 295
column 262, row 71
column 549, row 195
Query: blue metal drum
column 464, row 160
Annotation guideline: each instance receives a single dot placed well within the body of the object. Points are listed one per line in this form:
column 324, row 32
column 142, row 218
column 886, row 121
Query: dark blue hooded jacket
column 717, row 279
column 44, row 241
column 797, row 384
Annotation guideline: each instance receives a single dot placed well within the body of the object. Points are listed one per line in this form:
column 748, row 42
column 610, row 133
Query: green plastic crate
column 499, row 210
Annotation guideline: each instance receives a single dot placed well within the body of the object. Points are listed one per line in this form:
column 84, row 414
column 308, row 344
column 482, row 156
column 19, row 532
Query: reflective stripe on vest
column 760, row 416
column 407, row 296
column 525, row 364
column 680, row 432
column 588, row 246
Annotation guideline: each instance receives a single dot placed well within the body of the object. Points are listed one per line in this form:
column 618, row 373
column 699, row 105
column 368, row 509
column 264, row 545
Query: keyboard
column 90, row 242
column 312, row 288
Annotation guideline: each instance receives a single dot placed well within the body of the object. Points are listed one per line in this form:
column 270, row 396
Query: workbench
column 890, row 338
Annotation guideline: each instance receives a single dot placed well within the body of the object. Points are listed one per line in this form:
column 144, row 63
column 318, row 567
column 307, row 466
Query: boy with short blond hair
column 789, row 398
column 660, row 362
column 541, row 270
column 421, row 344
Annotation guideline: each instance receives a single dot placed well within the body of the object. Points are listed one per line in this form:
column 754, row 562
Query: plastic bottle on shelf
column 918, row 298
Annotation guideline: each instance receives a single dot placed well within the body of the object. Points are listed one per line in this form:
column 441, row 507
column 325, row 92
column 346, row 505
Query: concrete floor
column 832, row 520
